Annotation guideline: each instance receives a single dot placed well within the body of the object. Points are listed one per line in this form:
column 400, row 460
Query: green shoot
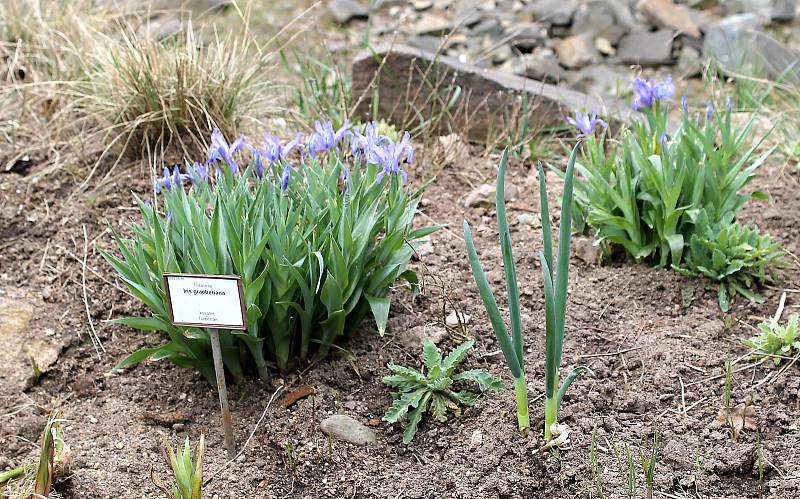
column 555, row 290
column 420, row 392
column 187, row 474
column 649, row 465
column 597, row 476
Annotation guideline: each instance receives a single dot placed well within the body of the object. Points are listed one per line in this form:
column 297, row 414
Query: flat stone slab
column 411, row 86
column 23, row 345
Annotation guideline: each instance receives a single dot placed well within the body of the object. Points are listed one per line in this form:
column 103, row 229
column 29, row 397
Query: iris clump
column 659, row 187
column 318, row 229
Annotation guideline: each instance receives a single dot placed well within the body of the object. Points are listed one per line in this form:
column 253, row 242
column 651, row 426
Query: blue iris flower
column 287, row 172
column 170, row 179
column 391, row 155
column 325, row 138
column 647, row 92
column 221, row 150
column 197, row 172
column 586, row 123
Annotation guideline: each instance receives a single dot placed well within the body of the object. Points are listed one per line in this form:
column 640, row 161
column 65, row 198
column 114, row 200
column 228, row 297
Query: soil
column 655, row 341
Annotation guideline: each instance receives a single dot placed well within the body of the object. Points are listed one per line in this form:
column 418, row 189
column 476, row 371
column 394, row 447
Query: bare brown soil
column 656, row 343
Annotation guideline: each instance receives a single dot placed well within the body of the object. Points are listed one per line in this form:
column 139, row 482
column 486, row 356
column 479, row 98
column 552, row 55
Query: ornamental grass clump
column 657, row 187
column 555, row 294
column 318, row 229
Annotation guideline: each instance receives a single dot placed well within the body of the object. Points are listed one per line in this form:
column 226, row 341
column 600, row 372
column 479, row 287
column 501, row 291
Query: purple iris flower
column 287, row 172
column 647, row 92
column 663, row 140
column 586, row 123
column 709, row 111
column 221, row 150
column 365, row 144
column 197, row 172
column 391, row 155
column 170, row 179
column 325, row 138
column 275, row 151
column 684, row 104
column 169, row 216
column 729, row 104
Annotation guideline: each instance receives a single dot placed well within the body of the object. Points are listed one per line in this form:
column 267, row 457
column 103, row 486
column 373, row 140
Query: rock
column 665, row 14
column 488, row 97
column 689, row 62
column 414, row 337
column 646, row 48
column 556, row 12
column 432, row 24
column 425, row 249
column 600, row 80
column 783, row 11
column 452, row 319
column 604, row 46
column 342, row 427
column 542, row 66
column 23, row 344
column 607, row 18
column 344, row 11
column 739, row 48
column 575, row 52
column 466, row 18
column 476, row 439
column 485, row 194
column 422, row 4
column 426, row 43
column 531, row 219
column 501, row 54
column 526, row 36
column 584, row 249
column 161, row 27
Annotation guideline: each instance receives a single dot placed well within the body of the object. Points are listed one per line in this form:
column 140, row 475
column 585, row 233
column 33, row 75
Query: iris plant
column 317, row 242
column 555, row 293
column 586, row 123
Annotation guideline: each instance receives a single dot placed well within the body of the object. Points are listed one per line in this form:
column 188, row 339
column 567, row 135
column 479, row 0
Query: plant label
column 210, row 301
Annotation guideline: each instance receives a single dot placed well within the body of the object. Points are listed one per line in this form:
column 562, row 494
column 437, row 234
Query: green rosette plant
column 317, row 241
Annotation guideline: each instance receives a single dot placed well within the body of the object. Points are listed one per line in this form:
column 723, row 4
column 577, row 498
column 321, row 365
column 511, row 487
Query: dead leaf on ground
column 740, row 417
column 295, row 395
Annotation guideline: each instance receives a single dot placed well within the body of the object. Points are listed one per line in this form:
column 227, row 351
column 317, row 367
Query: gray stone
column 600, row 80
column 467, row 17
column 488, row 97
column 576, row 51
column 690, row 63
column 647, row 48
column 426, row 43
column 342, row 427
column 432, row 24
column 344, row 11
column 784, row 10
column 556, row 12
column 665, row 14
column 161, row 27
column 739, row 48
column 607, row 18
column 541, row 66
column 422, row 4
column 526, row 36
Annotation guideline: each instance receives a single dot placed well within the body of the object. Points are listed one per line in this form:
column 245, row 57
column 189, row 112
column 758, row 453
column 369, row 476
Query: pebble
column 452, row 319
column 348, row 429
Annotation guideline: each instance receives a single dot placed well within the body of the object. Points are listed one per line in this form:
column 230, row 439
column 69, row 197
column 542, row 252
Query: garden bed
column 656, row 342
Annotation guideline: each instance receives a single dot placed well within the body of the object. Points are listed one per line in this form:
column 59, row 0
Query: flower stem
column 521, row 392
column 550, row 416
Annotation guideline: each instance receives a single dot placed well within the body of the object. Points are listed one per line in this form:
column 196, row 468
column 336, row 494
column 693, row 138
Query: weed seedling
column 434, row 391
column 597, row 474
column 649, row 465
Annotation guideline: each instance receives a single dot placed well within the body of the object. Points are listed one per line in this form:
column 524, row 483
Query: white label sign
column 214, row 301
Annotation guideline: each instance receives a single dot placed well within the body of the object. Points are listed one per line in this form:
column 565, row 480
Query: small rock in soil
column 575, row 52
column 426, row 43
column 599, row 80
column 534, row 220
column 665, row 14
column 485, row 194
column 452, row 319
column 648, row 48
column 476, row 439
column 414, row 338
column 584, row 249
column 345, row 428
column 525, row 36
column 344, row 11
